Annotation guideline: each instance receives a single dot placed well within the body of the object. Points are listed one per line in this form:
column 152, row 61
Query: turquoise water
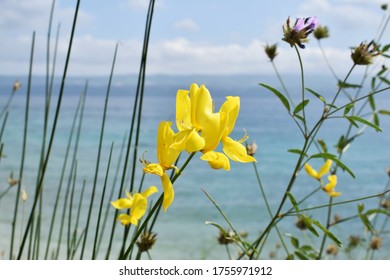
column 182, row 232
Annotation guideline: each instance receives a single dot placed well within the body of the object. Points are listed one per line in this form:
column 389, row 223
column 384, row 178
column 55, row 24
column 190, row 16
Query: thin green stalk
column 269, row 207
column 111, row 196
column 5, row 109
column 74, row 248
column 282, row 83
column 80, row 106
column 140, row 93
column 69, row 241
column 3, row 128
column 302, row 87
column 24, row 147
column 328, row 222
column 95, row 251
column 99, row 154
column 59, row 102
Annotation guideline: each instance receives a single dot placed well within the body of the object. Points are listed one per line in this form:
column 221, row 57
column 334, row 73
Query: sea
column 184, row 230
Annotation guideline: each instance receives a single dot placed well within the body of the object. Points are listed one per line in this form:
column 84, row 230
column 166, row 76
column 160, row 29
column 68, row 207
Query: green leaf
column 301, row 106
column 328, row 233
column 216, row 225
column 308, row 223
column 361, row 120
column 386, row 81
column 385, row 48
column 378, row 211
column 301, row 255
column 372, row 102
column 294, row 241
column 320, row 97
column 280, row 95
column 364, row 219
column 376, row 119
column 335, row 159
column 384, row 112
column 347, row 85
column 293, row 201
column 348, row 108
column 323, row 145
column 297, row 151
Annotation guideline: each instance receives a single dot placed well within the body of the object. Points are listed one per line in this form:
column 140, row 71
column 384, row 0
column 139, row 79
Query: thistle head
column 300, row 31
column 364, row 53
column 271, row 51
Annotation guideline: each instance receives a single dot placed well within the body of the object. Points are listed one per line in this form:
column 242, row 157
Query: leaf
column 320, row 97
column 297, row 151
column 216, row 225
column 301, row 106
column 308, row 223
column 301, row 255
column 348, row 108
column 376, row 119
column 293, row 201
column 385, row 48
column 280, row 95
column 372, row 102
column 361, row 120
column 328, row 233
column 384, row 112
column 294, row 241
column 378, row 211
column 364, row 219
column 386, row 81
column 347, row 85
column 335, row 159
column 323, row 145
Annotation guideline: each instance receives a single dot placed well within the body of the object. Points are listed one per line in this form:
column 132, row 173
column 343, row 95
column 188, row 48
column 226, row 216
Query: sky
column 208, row 37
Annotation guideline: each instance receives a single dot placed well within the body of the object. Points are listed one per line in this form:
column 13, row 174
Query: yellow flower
column 138, row 204
column 166, row 156
column 329, row 187
column 193, row 109
column 217, row 129
column 323, row 170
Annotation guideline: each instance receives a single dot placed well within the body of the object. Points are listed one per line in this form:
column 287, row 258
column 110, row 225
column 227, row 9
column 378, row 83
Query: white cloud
column 186, row 25
column 91, row 56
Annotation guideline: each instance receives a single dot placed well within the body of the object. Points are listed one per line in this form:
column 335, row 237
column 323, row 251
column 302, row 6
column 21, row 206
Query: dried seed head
column 24, row 196
column 271, row 51
column 321, row 32
column 251, row 149
column 332, row 249
column 16, row 86
column 300, row 224
column 376, row 243
column 146, row 241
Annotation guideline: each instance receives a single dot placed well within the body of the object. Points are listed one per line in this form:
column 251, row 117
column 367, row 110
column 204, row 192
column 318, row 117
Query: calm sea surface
column 182, row 232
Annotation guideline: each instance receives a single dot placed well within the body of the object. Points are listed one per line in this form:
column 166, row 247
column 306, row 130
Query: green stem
column 302, row 87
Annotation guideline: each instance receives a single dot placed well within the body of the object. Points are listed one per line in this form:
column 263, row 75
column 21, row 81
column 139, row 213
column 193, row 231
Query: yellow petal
column 325, row 168
column 334, row 194
column 213, row 130
column 231, row 107
column 168, row 191
column 127, row 219
column 236, row 151
column 165, row 138
column 332, row 183
column 188, row 140
column 183, row 110
column 201, row 106
column 310, row 170
column 149, row 191
column 122, row 203
column 140, row 206
column 216, row 160
column 154, row 168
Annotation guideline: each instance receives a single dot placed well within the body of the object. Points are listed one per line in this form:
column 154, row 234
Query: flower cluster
column 201, row 129
column 330, row 186
column 299, row 32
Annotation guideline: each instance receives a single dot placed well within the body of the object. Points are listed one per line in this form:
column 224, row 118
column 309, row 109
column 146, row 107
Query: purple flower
column 299, row 32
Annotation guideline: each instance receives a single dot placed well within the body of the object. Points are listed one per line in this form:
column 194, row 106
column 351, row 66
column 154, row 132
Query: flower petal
column 140, row 206
column 165, row 138
column 325, row 168
column 154, row 168
column 213, row 130
column 122, row 203
column 236, row 151
column 216, row 160
column 332, row 183
column 201, row 106
column 149, row 191
column 183, row 110
column 311, row 171
column 231, row 107
column 168, row 191
column 127, row 219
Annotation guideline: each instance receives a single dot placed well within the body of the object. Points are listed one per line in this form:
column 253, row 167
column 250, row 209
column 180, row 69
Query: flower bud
column 321, row 32
column 364, row 53
column 271, row 51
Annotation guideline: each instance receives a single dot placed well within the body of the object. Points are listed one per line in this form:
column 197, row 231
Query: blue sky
column 188, row 36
